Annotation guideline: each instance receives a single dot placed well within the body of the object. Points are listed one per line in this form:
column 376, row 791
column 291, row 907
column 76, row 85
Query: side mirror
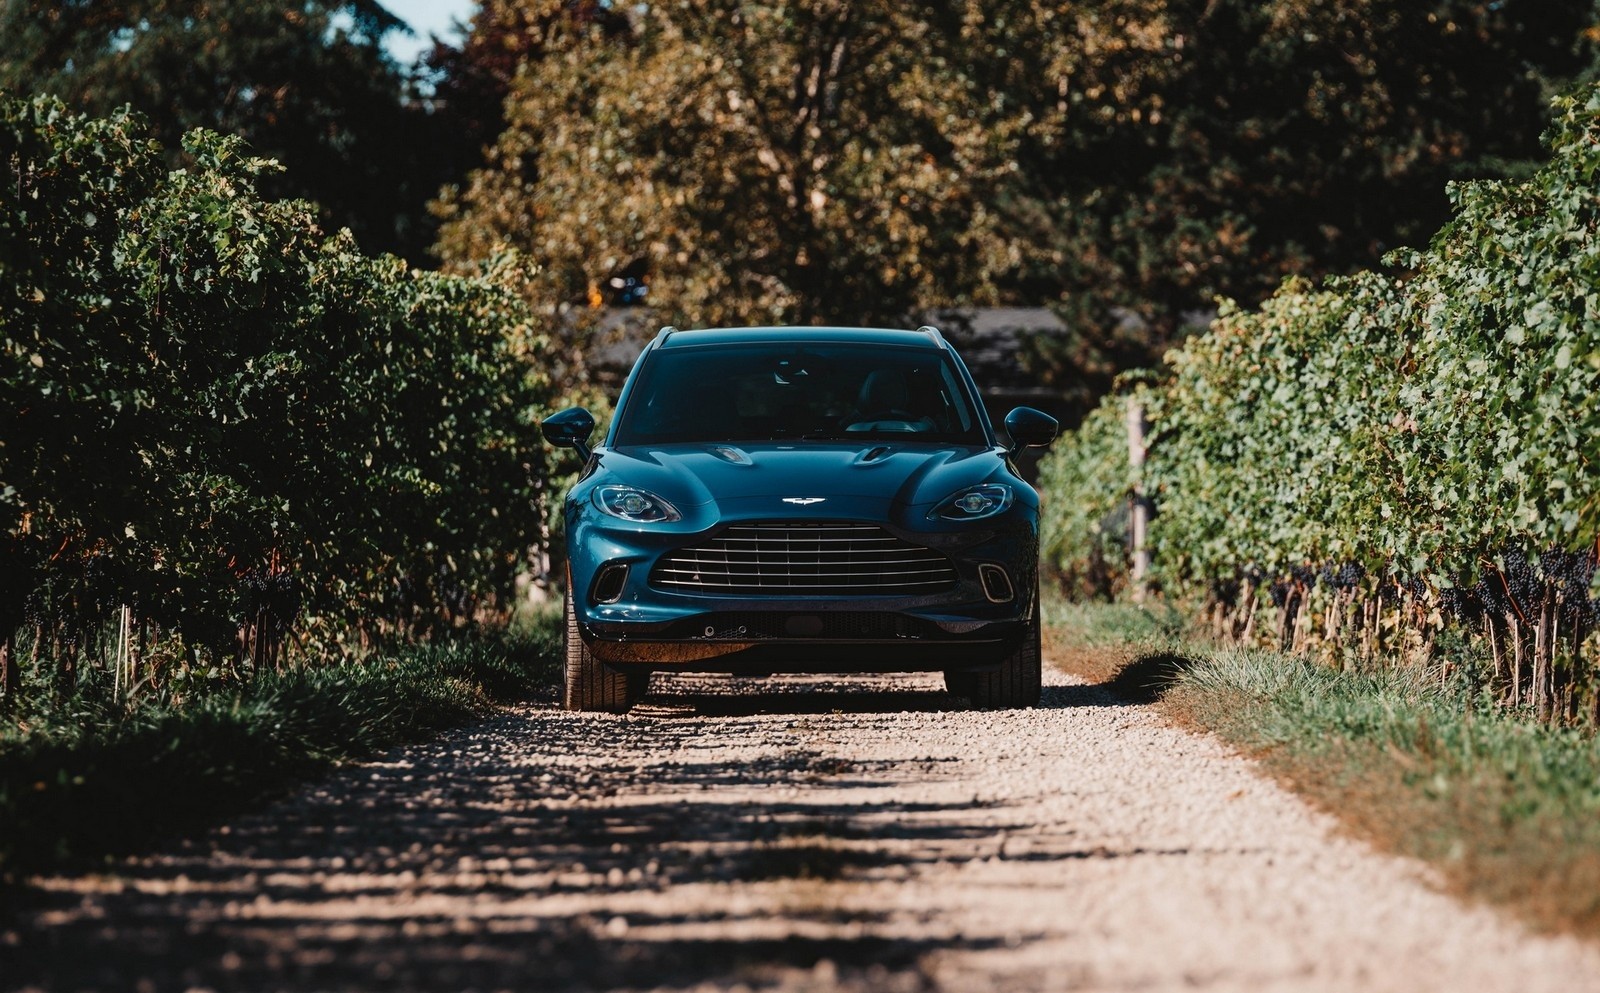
column 1030, row 428
column 571, row 428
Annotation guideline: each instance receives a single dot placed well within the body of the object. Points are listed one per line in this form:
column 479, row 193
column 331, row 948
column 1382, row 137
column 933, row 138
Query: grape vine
column 1364, row 465
column 223, row 433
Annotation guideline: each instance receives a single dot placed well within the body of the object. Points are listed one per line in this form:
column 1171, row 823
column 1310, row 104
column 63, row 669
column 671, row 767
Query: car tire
column 1017, row 683
column 958, row 683
column 591, row 685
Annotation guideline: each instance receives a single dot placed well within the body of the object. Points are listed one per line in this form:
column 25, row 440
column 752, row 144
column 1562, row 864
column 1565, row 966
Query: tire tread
column 1018, row 682
column 591, row 685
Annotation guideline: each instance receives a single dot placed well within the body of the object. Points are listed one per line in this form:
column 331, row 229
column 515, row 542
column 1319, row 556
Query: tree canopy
column 471, row 80
column 1125, row 161
column 308, row 84
column 766, row 163
column 1238, row 142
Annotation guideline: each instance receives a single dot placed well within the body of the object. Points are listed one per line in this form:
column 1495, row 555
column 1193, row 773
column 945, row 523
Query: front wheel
column 590, row 683
column 1017, row 683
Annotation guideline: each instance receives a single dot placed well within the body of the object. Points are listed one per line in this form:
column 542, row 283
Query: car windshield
column 770, row 391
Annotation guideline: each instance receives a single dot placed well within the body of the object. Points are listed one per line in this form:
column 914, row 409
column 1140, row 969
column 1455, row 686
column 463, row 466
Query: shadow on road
column 546, row 851
column 720, row 696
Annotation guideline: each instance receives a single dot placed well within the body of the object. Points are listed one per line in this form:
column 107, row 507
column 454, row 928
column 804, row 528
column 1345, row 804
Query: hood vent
column 801, row 560
column 731, row 455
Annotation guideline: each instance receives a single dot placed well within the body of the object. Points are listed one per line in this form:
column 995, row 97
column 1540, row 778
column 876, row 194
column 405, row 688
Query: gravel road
column 800, row 834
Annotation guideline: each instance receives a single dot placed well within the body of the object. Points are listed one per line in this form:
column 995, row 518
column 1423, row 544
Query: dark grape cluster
column 1279, row 591
column 1518, row 586
column 1522, row 580
column 1460, row 605
column 433, row 599
column 403, row 592
column 105, row 582
column 277, row 596
column 35, row 608
column 1226, row 592
column 1489, row 594
column 1391, row 591
column 1571, row 573
column 1347, row 576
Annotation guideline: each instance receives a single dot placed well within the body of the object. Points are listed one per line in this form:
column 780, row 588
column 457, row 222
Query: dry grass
column 165, row 765
column 1507, row 811
column 1493, row 832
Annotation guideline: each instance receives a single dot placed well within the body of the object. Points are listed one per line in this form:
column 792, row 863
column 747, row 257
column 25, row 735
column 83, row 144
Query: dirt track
column 804, row 835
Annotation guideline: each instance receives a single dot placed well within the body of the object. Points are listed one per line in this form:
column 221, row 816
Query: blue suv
column 801, row 500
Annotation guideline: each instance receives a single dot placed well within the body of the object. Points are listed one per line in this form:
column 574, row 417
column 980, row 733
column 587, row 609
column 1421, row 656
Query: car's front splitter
column 813, row 637
column 807, row 655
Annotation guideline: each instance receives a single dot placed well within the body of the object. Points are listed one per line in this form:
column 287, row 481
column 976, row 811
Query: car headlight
column 974, row 502
column 638, row 506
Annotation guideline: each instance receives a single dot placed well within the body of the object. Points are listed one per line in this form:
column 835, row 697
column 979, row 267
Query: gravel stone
column 797, row 833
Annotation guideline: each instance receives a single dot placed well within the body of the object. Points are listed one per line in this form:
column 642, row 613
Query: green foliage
column 1266, row 455
column 214, row 416
column 1185, row 151
column 1423, row 438
column 1423, row 424
column 1428, row 424
column 93, row 777
column 765, row 163
column 308, row 84
column 1087, row 484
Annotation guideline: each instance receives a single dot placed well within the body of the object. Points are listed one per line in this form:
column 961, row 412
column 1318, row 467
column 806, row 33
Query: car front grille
column 799, row 560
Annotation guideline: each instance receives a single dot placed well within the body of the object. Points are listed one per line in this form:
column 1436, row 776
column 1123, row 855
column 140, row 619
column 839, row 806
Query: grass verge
column 88, row 779
column 1508, row 811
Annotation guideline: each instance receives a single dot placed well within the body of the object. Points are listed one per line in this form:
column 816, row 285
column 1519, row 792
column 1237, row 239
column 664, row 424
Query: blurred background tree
column 1190, row 150
column 306, row 83
column 1123, row 162
column 761, row 163
column 472, row 79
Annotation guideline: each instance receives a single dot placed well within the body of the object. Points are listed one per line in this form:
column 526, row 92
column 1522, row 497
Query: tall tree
column 807, row 161
column 473, row 79
column 307, row 83
column 1125, row 161
column 1250, row 140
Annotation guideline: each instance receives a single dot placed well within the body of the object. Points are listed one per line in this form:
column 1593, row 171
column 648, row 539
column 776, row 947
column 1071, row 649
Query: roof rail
column 666, row 331
column 933, row 332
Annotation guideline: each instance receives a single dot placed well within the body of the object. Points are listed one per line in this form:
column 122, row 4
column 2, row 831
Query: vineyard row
column 223, row 432
column 1386, row 463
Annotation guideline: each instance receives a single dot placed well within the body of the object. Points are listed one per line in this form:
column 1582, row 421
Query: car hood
column 903, row 474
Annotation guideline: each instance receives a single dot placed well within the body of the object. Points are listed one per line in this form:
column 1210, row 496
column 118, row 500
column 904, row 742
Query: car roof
column 920, row 338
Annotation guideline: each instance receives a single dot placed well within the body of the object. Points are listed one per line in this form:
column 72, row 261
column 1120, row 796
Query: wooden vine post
column 10, row 677
column 1139, row 509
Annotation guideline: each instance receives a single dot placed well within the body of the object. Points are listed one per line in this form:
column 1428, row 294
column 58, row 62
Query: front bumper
column 959, row 628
